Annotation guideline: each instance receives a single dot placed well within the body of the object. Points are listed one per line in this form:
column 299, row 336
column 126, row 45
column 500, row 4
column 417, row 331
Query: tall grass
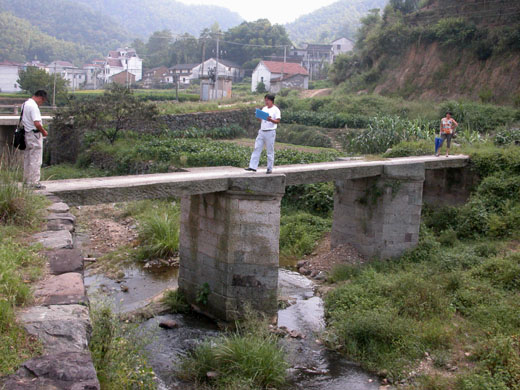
column 159, row 231
column 117, row 352
column 248, row 359
column 18, row 204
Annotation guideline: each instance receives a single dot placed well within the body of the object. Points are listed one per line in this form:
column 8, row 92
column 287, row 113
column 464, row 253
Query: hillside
column 143, row 17
column 340, row 19
column 21, row 41
column 448, row 49
column 66, row 20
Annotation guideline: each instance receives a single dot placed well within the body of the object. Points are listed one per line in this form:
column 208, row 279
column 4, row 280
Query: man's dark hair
column 41, row 93
column 449, row 112
column 269, row 96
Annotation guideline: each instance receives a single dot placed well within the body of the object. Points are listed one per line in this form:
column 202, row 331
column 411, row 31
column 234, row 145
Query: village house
column 76, row 77
column 123, row 78
column 9, row 77
column 341, row 46
column 155, row 76
column 183, row 72
column 226, row 69
column 120, row 60
column 277, row 75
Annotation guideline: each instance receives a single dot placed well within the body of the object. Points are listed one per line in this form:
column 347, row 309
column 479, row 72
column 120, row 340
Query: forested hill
column 21, row 41
column 64, row 19
column 143, row 17
column 340, row 19
column 437, row 50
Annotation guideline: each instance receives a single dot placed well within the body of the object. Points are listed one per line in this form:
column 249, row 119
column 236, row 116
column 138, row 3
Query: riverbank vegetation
column 445, row 315
column 20, row 264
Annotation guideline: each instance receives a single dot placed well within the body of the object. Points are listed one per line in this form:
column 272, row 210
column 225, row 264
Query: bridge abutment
column 380, row 216
column 229, row 248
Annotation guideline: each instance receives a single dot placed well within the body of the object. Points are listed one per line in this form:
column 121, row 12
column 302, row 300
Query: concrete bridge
column 230, row 218
column 8, row 125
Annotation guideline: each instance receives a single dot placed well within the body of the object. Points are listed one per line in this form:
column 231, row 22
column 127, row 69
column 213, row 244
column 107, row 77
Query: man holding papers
column 270, row 117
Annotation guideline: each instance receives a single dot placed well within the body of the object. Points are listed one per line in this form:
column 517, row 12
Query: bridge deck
column 215, row 179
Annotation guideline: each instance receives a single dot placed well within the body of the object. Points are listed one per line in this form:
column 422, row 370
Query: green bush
column 300, row 232
column 226, row 132
column 303, row 135
column 325, row 119
column 507, row 135
column 411, row 148
column 315, row 198
column 454, row 31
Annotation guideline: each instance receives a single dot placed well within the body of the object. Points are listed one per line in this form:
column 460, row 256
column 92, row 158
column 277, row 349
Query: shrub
column 226, row 132
column 315, row 198
column 300, row 232
column 507, row 135
column 303, row 135
column 411, row 148
column 454, row 31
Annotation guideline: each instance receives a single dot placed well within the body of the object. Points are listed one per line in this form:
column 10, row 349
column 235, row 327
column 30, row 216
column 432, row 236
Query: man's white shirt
column 274, row 113
column 31, row 113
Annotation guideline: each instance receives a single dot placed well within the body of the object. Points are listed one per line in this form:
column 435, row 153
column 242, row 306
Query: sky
column 277, row 11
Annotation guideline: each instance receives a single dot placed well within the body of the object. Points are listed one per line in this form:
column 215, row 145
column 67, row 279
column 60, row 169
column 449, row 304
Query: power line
column 479, row 13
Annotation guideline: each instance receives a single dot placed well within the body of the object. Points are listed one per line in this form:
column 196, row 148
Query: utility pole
column 54, row 88
column 216, row 69
column 177, row 88
column 284, row 60
column 203, row 57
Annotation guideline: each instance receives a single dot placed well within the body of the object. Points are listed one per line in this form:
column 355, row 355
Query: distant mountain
column 67, row 20
column 340, row 19
column 21, row 41
column 143, row 17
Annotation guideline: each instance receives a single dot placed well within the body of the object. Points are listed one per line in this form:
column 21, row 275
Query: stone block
column 58, row 207
column 62, row 261
column 61, row 328
column 409, row 171
column 60, row 371
column 263, row 185
column 60, row 239
column 64, row 289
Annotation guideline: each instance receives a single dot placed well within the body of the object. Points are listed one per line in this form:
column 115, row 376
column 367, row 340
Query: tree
column 117, row 110
column 265, row 40
column 33, row 79
column 260, row 87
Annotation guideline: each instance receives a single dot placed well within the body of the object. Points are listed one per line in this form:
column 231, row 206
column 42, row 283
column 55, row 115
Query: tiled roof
column 113, row 54
column 9, row 63
column 114, row 62
column 184, row 66
column 285, row 67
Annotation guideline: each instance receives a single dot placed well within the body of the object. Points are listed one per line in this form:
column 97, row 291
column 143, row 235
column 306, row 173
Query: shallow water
column 313, row 366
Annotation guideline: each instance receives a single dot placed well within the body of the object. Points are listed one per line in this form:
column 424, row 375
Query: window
column 262, row 79
column 338, row 47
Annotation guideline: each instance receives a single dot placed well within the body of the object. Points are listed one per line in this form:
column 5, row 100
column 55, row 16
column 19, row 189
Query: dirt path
column 310, row 93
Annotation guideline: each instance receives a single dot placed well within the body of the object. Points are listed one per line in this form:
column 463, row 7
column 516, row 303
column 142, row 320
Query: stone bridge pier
column 380, row 216
column 229, row 244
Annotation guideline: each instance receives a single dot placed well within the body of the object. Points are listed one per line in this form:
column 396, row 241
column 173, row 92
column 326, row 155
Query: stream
column 312, row 365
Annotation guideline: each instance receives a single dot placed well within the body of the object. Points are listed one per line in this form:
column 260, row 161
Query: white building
column 76, row 77
column 120, row 60
column 226, row 69
column 183, row 72
column 9, row 77
column 271, row 72
column 341, row 46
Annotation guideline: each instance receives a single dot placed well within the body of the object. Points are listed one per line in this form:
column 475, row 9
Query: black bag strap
column 21, row 116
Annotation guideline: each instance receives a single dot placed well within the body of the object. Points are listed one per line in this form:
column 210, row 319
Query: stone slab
column 58, row 207
column 64, row 289
column 61, row 221
column 55, row 239
column 62, row 261
column 61, row 217
column 61, row 328
column 61, row 371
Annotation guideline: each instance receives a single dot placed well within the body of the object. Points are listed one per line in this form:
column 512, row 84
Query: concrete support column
column 380, row 216
column 229, row 246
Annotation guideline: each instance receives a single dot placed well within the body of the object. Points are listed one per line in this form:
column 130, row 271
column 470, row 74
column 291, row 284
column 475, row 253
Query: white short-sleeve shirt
column 31, row 114
column 274, row 113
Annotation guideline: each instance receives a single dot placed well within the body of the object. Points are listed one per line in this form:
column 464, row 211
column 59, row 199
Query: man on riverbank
column 266, row 135
column 448, row 126
column 34, row 133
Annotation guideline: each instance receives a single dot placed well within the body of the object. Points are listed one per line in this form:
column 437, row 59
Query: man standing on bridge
column 34, row 133
column 266, row 135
